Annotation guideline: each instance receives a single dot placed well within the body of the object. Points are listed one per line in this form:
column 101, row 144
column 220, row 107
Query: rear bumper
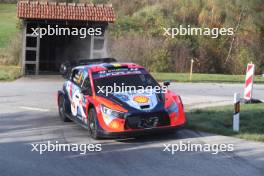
column 135, row 133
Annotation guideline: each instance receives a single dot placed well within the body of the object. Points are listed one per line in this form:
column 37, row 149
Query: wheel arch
column 67, row 101
column 60, row 93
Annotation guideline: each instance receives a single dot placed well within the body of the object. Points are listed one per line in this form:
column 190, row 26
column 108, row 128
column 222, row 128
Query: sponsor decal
column 122, row 97
column 118, row 71
column 141, row 99
column 116, row 65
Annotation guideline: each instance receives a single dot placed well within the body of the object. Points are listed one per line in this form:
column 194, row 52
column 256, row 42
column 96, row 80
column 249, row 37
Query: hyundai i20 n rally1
column 113, row 99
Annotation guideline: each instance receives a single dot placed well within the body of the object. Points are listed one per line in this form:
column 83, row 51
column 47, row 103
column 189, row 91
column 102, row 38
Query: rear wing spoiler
column 66, row 67
column 96, row 61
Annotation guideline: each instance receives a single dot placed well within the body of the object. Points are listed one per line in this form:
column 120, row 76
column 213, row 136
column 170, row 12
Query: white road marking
column 34, row 109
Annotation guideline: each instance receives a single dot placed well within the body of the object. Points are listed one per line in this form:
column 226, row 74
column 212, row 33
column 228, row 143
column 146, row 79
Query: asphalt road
column 28, row 115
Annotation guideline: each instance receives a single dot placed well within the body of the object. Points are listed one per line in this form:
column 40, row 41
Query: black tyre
column 92, row 124
column 62, row 114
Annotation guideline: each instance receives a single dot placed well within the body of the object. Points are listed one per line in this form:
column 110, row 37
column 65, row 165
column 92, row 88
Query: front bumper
column 138, row 132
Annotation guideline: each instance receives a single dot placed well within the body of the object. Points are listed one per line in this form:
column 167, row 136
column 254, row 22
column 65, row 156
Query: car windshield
column 134, row 78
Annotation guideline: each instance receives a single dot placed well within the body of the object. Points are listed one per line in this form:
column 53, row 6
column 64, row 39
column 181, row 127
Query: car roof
column 108, row 66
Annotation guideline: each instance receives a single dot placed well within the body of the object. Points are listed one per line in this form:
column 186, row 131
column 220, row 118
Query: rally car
column 94, row 95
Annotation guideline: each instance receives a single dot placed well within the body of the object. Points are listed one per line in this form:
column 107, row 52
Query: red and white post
column 249, row 82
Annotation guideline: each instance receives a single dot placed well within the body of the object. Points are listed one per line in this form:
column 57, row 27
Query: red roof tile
column 65, row 11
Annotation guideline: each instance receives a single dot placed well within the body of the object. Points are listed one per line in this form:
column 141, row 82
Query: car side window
column 86, row 83
column 77, row 77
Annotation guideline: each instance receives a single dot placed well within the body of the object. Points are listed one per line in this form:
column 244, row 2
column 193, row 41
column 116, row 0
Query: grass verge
column 8, row 22
column 216, row 78
column 9, row 73
column 219, row 120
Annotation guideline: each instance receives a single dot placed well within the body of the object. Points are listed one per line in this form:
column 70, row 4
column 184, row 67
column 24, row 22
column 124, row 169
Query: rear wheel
column 62, row 114
column 92, row 124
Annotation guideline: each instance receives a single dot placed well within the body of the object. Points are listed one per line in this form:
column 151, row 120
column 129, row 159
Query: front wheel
column 92, row 124
column 62, row 114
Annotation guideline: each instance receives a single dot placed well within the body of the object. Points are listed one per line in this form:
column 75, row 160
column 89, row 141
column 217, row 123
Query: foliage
column 147, row 18
column 137, row 34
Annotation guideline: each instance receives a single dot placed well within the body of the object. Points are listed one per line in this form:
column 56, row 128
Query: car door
column 76, row 98
column 86, row 92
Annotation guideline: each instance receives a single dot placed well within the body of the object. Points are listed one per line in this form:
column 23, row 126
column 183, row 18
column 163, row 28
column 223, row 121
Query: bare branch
column 234, row 36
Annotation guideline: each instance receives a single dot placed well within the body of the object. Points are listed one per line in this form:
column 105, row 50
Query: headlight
column 109, row 114
column 173, row 108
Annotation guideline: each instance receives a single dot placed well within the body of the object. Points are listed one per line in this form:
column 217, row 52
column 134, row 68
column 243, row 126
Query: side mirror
column 166, row 83
column 86, row 91
column 65, row 69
